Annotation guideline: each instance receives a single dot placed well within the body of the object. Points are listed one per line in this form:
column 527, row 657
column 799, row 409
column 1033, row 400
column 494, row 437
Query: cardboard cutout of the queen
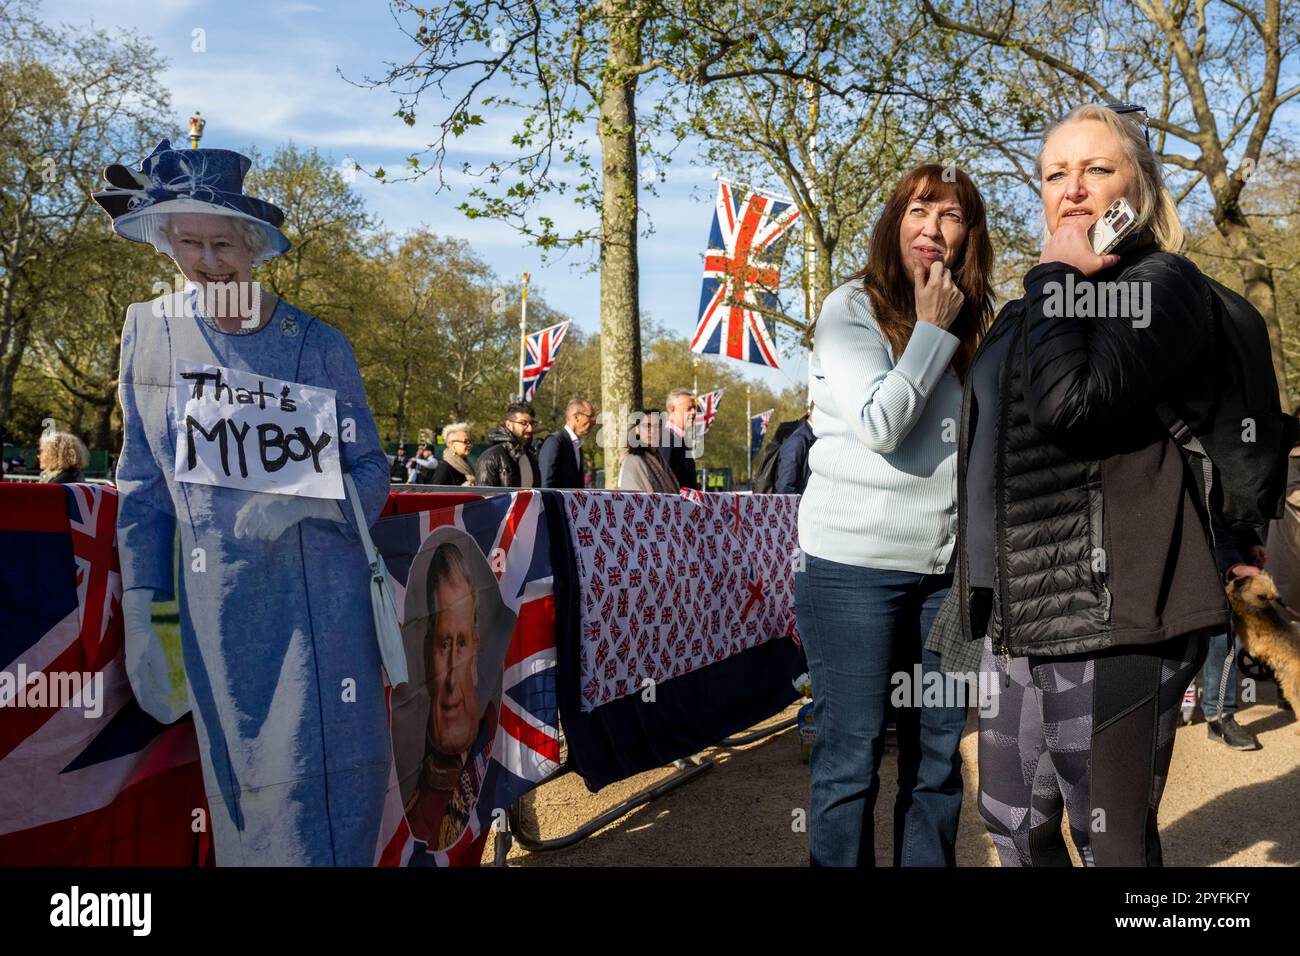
column 241, row 415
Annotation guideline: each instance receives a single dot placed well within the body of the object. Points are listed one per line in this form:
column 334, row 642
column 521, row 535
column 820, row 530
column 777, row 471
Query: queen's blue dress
column 279, row 645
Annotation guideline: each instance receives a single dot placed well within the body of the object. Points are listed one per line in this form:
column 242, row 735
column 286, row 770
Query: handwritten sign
column 242, row 430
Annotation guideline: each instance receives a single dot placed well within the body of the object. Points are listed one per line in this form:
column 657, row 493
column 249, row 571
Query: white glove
column 265, row 517
column 146, row 661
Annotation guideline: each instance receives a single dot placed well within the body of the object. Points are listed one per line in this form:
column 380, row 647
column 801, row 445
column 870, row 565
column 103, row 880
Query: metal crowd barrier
column 512, row 828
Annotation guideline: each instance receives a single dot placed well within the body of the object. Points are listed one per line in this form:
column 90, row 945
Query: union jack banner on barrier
column 478, row 724
column 694, row 595
column 707, row 409
column 668, row 586
column 542, row 348
column 742, row 269
column 91, row 780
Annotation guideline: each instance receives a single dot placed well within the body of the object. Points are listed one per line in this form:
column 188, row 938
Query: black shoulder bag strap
column 1184, row 439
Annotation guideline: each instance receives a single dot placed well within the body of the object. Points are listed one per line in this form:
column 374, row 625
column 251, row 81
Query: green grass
column 167, row 623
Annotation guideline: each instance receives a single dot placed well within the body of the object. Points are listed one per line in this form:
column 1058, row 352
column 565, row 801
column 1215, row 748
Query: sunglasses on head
column 1122, row 108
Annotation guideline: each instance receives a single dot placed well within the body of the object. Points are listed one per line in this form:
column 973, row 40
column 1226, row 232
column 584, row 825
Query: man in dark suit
column 677, row 438
column 792, row 458
column 560, row 459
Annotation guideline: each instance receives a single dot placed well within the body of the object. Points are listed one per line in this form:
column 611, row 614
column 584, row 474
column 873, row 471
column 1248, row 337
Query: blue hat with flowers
column 185, row 181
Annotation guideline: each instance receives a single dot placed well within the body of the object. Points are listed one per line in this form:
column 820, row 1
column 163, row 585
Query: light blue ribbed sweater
column 883, row 486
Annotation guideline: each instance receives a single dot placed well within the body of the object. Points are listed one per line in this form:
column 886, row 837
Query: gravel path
column 1221, row 808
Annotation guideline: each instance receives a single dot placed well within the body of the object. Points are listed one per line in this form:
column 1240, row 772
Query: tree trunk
column 823, row 275
column 402, row 392
column 102, row 436
column 10, row 363
column 458, row 407
column 822, row 280
column 620, row 305
column 16, row 324
column 1257, row 280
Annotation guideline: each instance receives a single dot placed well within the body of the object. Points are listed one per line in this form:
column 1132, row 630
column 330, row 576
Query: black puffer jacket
column 498, row 467
column 1099, row 532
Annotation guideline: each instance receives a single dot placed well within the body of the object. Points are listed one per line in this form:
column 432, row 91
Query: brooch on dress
column 288, row 327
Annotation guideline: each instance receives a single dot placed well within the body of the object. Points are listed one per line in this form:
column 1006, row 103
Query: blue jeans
column 862, row 630
column 1221, row 646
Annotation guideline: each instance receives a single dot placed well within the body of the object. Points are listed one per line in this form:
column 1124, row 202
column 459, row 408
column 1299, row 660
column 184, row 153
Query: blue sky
column 270, row 74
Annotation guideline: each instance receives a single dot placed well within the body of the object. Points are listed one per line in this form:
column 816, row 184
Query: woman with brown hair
column 878, row 518
column 641, row 468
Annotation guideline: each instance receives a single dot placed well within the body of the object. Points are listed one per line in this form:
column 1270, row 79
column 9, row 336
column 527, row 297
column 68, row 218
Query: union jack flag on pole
column 541, row 348
column 707, row 409
column 742, row 269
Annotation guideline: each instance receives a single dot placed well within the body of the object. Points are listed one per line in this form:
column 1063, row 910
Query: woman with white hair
column 1085, row 557
column 62, row 457
column 281, row 660
column 455, row 467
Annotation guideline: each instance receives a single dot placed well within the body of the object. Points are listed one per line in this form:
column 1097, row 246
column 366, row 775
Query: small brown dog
column 1269, row 630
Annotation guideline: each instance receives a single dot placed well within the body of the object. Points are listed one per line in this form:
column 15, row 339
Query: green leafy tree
column 836, row 150
column 569, row 77
column 327, row 223
column 1273, row 211
column 71, row 103
column 72, row 363
column 1213, row 77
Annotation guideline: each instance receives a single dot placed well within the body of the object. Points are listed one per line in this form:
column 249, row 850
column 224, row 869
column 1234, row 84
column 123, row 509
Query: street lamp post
column 197, row 123
column 523, row 335
column 749, row 435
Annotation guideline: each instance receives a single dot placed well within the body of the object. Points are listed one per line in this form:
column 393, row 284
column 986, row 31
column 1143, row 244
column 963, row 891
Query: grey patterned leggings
column 1091, row 735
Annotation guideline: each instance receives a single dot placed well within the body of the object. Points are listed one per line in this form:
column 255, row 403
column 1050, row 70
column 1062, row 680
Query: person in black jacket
column 397, row 470
column 678, row 439
column 792, row 460
column 561, row 455
column 1086, row 557
column 455, row 467
column 510, row 462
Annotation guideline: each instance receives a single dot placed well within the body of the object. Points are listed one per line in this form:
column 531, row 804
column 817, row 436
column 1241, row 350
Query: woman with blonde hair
column 62, row 456
column 1087, row 567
